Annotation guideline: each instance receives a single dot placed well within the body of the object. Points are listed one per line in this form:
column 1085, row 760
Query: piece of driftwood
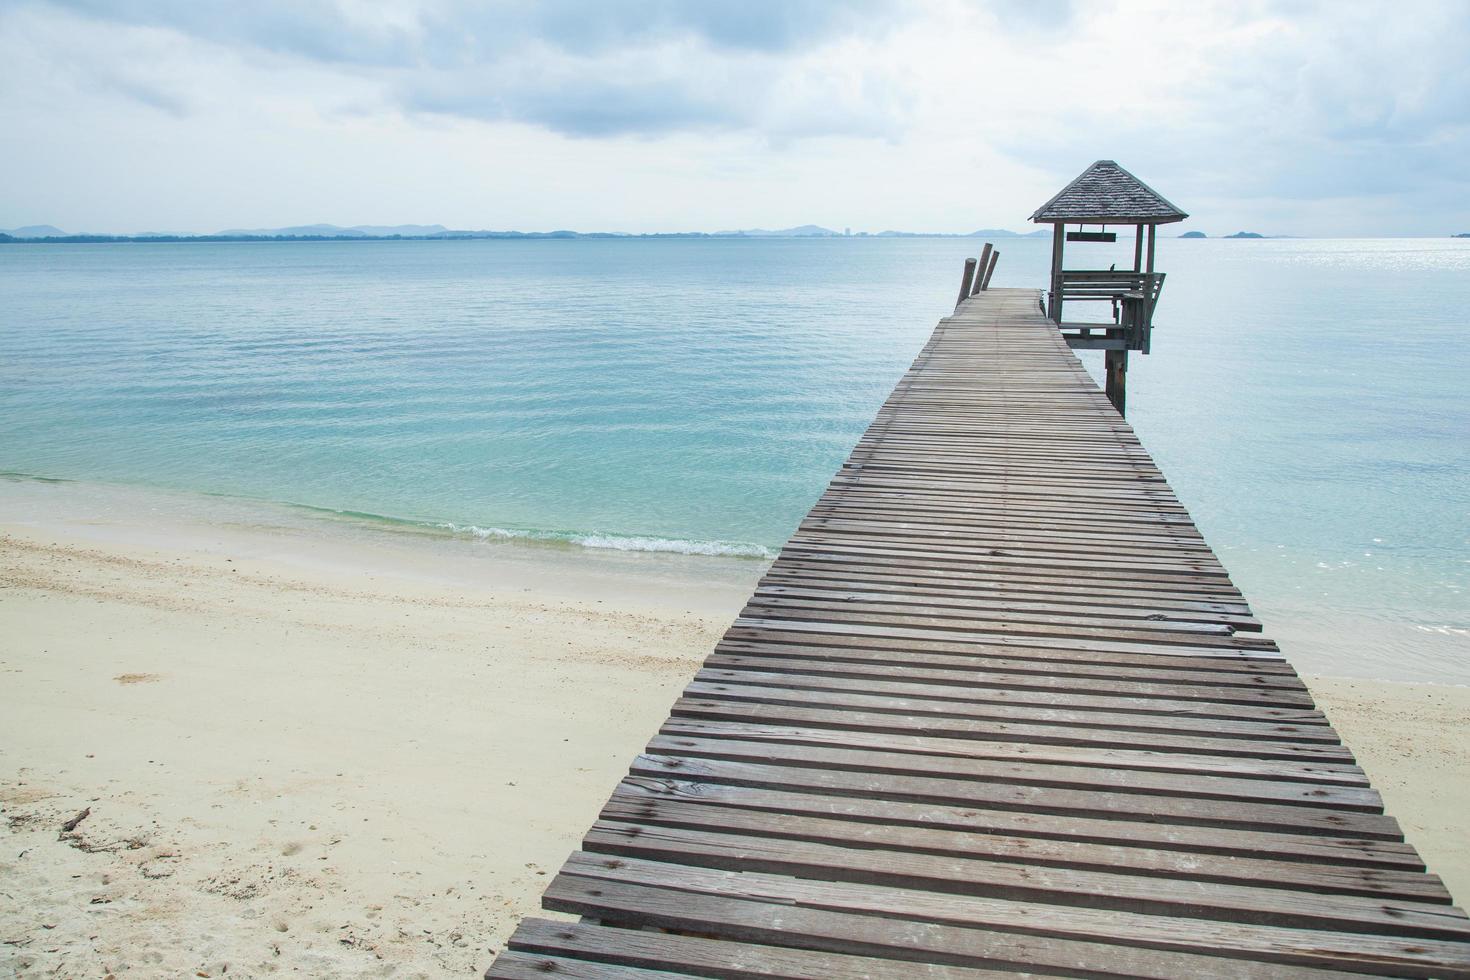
column 72, row 824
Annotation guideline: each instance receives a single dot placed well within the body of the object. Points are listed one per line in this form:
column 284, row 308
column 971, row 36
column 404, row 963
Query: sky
column 1316, row 119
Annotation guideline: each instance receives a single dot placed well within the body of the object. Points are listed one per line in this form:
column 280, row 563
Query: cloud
column 652, row 91
column 930, row 113
column 591, row 69
column 399, row 32
column 1298, row 100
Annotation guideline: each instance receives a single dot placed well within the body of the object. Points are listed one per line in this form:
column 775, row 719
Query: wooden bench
column 1133, row 296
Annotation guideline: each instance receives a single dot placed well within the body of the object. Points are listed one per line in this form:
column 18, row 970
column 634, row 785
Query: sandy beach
column 342, row 758
column 294, row 766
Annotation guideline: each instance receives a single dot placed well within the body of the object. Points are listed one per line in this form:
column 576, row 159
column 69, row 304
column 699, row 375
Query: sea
column 1307, row 399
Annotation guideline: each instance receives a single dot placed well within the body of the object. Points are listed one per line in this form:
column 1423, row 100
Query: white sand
column 321, row 758
column 294, row 769
column 1413, row 740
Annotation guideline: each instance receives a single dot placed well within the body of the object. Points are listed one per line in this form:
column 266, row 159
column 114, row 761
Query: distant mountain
column 800, row 231
column 1002, row 233
column 1200, row 234
column 1245, row 234
column 404, row 230
column 34, row 231
column 1463, row 234
column 293, row 231
column 335, row 231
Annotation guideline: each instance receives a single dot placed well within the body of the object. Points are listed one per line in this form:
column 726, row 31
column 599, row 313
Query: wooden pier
column 996, row 708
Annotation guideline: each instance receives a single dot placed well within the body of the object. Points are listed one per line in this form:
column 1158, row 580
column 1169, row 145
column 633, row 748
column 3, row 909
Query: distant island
column 1002, row 233
column 34, row 231
column 366, row 233
column 1463, row 234
column 1245, row 234
column 1194, row 234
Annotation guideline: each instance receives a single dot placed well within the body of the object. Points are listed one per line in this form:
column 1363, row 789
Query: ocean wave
column 614, row 542
column 1443, row 630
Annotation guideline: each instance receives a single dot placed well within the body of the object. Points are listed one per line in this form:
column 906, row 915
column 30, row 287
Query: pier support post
column 980, row 269
column 1116, row 364
column 966, row 281
column 989, row 270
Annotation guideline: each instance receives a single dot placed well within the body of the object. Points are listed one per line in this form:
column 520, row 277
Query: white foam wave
column 616, row 542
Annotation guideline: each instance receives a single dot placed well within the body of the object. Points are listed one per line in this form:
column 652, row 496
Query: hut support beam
column 1058, row 238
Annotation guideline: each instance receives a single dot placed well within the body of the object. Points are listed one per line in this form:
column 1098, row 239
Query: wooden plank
column 736, row 786
column 565, row 943
column 910, row 945
column 994, row 642
column 856, row 611
column 1106, row 758
column 942, row 651
column 1405, row 956
column 1172, row 686
column 1065, row 699
column 773, row 593
column 516, row 965
column 1153, row 795
column 1262, row 740
column 749, row 769
column 1028, row 881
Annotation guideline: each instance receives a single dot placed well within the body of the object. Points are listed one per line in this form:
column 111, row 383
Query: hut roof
column 1105, row 193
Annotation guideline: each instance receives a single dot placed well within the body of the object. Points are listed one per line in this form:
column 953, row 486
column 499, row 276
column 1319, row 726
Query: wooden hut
column 1105, row 194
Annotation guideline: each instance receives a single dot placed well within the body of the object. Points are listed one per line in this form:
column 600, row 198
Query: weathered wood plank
column 723, row 783
column 1311, row 773
column 564, row 943
column 1402, row 955
column 1022, row 881
column 1077, row 699
column 913, row 946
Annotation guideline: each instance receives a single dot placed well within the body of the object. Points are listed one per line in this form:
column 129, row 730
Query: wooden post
column 1138, row 248
column 989, row 269
column 1151, row 230
column 1116, row 364
column 966, row 281
column 1058, row 235
column 980, row 269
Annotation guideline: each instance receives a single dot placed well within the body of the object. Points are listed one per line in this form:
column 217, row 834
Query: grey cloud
column 641, row 67
column 1338, row 104
column 753, row 25
column 310, row 29
column 574, row 106
column 468, row 30
column 1049, row 16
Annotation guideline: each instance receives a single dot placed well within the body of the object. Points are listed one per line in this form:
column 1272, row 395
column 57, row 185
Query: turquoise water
column 1304, row 397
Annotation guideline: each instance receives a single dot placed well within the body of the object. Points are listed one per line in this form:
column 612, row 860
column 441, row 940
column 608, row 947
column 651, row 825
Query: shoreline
column 321, row 540
column 305, row 747
column 46, row 499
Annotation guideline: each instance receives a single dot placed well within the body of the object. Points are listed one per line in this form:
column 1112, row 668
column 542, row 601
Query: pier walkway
column 995, row 709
